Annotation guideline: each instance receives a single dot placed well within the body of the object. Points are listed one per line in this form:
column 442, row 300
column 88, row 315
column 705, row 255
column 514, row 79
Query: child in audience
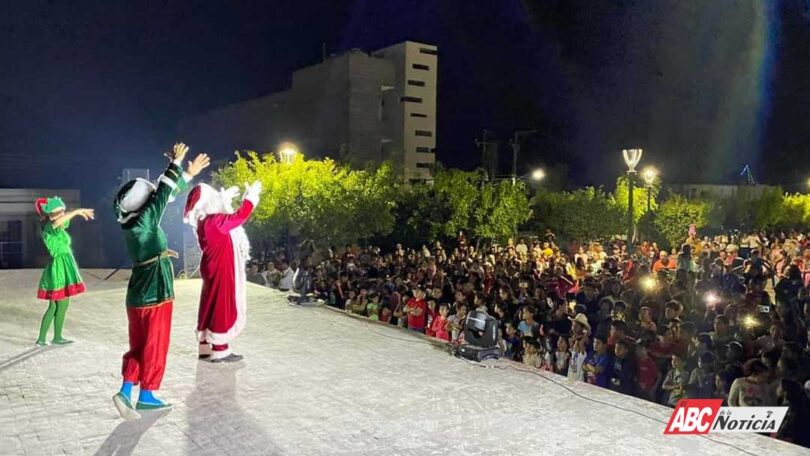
column 676, row 380
column 562, row 357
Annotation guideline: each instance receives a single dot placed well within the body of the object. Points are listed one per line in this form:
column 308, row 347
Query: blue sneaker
column 125, row 408
column 146, row 401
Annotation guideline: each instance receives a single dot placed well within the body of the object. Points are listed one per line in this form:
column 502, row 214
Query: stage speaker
column 480, row 338
column 480, row 330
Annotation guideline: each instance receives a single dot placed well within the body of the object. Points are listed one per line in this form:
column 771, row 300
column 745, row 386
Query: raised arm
column 174, row 181
column 87, row 214
column 249, row 202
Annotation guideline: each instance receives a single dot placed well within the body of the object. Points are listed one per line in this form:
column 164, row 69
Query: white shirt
column 286, row 282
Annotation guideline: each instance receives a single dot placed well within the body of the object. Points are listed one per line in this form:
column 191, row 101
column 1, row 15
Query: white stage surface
column 314, row 382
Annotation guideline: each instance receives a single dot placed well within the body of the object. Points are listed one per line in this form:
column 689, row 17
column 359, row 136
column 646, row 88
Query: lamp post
column 631, row 159
column 287, row 152
column 516, row 150
column 649, row 174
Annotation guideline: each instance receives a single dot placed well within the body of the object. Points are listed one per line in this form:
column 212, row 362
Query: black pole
column 629, row 212
column 649, row 198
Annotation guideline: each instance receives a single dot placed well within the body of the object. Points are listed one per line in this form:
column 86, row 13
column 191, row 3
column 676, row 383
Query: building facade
column 20, row 241
column 359, row 108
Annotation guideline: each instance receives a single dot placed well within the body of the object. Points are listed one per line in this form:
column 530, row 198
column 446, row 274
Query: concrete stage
column 314, row 382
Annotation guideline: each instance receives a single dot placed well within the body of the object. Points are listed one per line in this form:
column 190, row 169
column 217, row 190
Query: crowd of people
column 724, row 317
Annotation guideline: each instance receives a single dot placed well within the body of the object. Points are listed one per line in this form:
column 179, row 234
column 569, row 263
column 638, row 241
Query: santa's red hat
column 196, row 203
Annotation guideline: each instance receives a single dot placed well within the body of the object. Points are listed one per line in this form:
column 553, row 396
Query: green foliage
column 459, row 201
column 315, row 199
column 500, row 208
column 620, row 196
column 676, row 213
column 579, row 216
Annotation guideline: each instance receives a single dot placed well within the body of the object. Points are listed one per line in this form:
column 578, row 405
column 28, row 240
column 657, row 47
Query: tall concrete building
column 359, row 108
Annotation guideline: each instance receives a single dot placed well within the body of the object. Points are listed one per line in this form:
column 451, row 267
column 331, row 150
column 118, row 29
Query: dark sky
column 704, row 87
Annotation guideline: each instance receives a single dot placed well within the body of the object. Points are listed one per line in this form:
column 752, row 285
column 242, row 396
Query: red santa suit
column 225, row 252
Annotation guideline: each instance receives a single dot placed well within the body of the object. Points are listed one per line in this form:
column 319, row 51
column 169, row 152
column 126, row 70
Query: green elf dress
column 60, row 279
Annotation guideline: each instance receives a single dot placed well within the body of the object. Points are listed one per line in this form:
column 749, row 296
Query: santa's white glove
column 252, row 192
column 228, row 194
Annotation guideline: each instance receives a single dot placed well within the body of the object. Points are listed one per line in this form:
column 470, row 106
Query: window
column 424, row 165
column 419, row 66
column 413, row 82
column 416, row 114
column 424, row 150
column 423, row 133
column 428, row 51
column 410, row 99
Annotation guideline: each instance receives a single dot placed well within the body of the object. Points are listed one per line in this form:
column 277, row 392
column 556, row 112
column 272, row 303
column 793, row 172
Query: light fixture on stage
column 480, row 337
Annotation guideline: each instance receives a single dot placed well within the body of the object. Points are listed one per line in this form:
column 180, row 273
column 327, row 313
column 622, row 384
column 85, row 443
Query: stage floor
column 314, row 382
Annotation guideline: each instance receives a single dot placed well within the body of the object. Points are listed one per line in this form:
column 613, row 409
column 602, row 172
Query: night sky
column 704, row 87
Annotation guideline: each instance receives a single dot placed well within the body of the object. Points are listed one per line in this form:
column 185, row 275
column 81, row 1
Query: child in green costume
column 60, row 279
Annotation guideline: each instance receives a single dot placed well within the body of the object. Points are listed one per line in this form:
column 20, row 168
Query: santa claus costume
column 225, row 252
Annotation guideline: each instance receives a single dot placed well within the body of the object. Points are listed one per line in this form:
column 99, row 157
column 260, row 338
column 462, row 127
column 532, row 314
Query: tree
column 316, row 200
column 620, row 196
column 675, row 214
column 459, row 201
column 580, row 216
column 501, row 207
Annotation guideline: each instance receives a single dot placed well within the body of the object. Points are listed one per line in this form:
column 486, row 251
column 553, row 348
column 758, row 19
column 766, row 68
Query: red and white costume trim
column 225, row 251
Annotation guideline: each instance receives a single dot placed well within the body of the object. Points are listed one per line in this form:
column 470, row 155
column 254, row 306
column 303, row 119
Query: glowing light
column 648, row 283
column 649, row 174
column 750, row 321
column 538, row 174
column 287, row 152
column 572, row 305
column 711, row 299
column 631, row 158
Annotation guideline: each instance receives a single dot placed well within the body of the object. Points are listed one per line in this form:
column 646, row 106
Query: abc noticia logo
column 702, row 416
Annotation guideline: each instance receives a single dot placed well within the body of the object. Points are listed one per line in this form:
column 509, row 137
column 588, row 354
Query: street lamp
column 538, row 175
column 649, row 175
column 631, row 159
column 287, row 152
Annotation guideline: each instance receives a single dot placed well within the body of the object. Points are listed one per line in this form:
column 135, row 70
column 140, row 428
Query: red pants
column 149, row 330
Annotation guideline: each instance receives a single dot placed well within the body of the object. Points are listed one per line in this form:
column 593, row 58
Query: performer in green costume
column 139, row 207
column 60, row 279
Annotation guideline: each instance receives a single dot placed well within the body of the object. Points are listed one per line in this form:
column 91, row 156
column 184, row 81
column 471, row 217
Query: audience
column 707, row 320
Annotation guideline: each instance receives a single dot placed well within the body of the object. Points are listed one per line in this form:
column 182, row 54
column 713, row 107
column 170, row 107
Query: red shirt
column 439, row 328
column 432, row 315
column 417, row 322
column 647, row 373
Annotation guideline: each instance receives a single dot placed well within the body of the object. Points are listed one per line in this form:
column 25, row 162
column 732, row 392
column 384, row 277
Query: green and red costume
column 150, row 292
column 60, row 279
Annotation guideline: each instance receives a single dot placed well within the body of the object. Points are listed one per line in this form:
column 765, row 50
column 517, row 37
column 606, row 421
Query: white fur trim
column 221, row 354
column 187, row 177
column 165, row 179
column 240, row 258
column 137, row 196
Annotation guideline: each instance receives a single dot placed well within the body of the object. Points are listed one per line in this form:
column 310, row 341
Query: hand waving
column 179, row 152
column 199, row 163
column 229, row 193
column 87, row 214
column 253, row 190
